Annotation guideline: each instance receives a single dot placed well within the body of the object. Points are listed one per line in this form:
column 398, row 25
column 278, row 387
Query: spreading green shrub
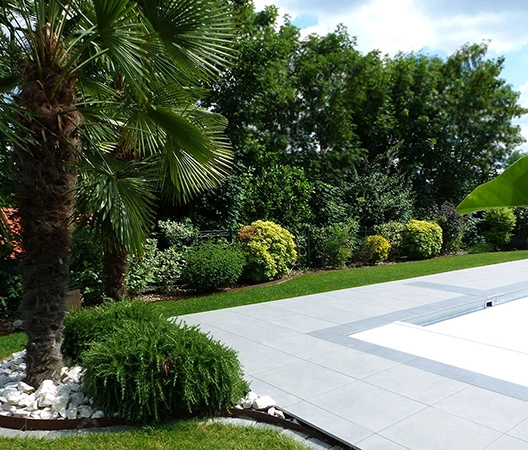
column 146, row 371
column 453, row 226
column 422, row 239
column 497, row 226
column 212, row 266
column 85, row 326
column 393, row 232
column 374, row 249
column 334, row 244
column 269, row 250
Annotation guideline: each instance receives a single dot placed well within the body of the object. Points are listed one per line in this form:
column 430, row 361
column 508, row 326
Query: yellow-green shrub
column 374, row 249
column 269, row 249
column 422, row 239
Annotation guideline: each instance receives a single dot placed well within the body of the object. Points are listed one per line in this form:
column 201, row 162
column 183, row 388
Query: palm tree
column 46, row 43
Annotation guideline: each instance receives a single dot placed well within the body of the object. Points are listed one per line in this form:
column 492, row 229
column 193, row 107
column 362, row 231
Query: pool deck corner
column 368, row 396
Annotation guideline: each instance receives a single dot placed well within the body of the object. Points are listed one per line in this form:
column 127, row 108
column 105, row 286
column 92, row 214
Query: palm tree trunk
column 115, row 268
column 46, row 175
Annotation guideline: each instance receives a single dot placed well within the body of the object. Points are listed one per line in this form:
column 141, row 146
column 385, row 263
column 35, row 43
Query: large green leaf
column 510, row 188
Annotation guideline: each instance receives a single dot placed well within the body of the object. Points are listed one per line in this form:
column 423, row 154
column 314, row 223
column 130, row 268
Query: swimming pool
column 492, row 341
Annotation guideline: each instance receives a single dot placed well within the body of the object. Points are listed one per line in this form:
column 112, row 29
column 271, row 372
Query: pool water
column 492, row 341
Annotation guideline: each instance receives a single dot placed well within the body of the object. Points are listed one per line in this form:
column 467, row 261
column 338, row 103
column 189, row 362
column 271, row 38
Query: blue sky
column 437, row 27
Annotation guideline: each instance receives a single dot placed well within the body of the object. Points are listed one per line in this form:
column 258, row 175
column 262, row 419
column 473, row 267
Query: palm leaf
column 117, row 199
column 509, row 189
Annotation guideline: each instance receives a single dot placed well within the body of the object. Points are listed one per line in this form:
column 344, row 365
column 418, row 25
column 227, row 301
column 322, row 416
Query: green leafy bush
column 393, row 232
column 453, row 226
column 141, row 272
column 374, row 249
column 334, row 244
column 86, row 266
column 177, row 234
column 146, row 371
column 168, row 266
column 497, row 226
column 269, row 250
column 85, row 326
column 422, row 239
column 212, row 266
column 10, row 287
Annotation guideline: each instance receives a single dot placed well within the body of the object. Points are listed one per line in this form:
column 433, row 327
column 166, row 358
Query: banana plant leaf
column 510, row 188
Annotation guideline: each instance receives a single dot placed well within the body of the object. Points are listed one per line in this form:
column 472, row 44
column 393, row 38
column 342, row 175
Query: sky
column 435, row 27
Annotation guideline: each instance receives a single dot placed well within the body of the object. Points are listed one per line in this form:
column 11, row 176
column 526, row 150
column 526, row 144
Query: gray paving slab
column 376, row 442
column 367, row 405
column 303, row 378
column 333, row 424
column 353, row 363
column 432, row 429
column 493, row 410
column 416, row 384
column 506, row 442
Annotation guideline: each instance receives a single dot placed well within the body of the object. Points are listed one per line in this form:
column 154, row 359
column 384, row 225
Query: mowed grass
column 310, row 283
column 189, row 435
column 314, row 283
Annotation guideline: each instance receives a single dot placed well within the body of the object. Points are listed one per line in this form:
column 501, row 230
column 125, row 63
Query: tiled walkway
column 299, row 352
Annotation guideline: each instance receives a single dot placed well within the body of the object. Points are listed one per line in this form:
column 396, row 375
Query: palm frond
column 118, row 200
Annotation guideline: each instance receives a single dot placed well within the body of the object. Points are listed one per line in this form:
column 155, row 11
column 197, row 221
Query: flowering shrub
column 269, row 250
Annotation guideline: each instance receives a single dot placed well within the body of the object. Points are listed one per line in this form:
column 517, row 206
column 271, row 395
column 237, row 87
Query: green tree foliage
column 453, row 226
column 334, row 244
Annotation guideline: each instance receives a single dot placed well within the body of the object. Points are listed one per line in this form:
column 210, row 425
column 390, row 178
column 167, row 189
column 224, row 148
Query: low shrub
column 141, row 271
column 453, row 226
column 269, row 250
column 146, row 371
column 85, row 326
column 168, row 266
column 335, row 244
column 393, row 232
column 212, row 266
column 422, row 239
column 374, row 249
column 497, row 226
column 181, row 235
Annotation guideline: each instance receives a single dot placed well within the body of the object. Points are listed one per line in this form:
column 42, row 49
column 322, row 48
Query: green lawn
column 313, row 283
column 189, row 435
column 193, row 435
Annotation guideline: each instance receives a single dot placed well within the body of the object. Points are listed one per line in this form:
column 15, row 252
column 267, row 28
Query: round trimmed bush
column 374, row 249
column 269, row 250
column 212, row 266
column 147, row 371
column 422, row 239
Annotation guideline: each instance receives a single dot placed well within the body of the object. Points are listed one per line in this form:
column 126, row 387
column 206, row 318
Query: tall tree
column 48, row 43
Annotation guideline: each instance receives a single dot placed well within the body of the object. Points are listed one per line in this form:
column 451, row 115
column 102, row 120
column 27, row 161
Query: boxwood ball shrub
column 146, row 371
column 269, row 250
column 374, row 249
column 212, row 266
column 422, row 239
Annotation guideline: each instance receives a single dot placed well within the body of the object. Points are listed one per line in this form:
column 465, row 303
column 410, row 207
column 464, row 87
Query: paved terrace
column 299, row 351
